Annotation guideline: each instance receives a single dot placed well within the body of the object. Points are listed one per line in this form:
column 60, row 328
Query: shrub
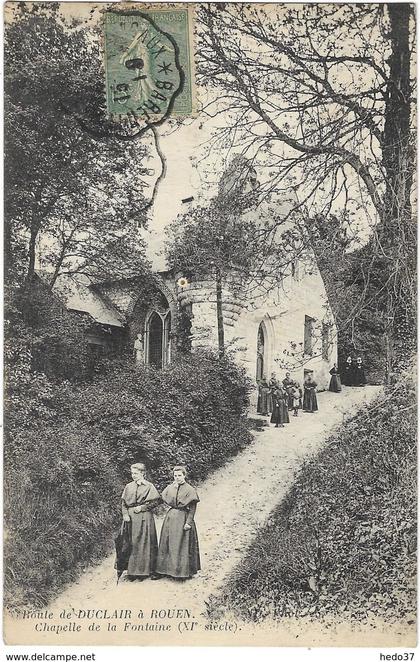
column 40, row 334
column 193, row 412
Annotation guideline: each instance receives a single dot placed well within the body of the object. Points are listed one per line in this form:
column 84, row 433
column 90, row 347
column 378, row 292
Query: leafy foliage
column 231, row 236
column 42, row 339
column 341, row 548
column 205, row 239
column 74, row 199
column 353, row 277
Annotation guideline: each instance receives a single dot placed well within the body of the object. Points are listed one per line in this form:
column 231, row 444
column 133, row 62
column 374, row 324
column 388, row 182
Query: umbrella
column 123, row 548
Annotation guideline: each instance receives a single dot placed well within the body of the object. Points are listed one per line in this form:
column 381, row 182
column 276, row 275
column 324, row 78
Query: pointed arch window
column 261, row 351
column 308, row 335
column 158, row 339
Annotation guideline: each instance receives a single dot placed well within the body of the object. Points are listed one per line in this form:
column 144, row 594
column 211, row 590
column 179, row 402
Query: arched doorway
column 155, row 335
column 166, row 352
column 158, row 339
column 262, row 351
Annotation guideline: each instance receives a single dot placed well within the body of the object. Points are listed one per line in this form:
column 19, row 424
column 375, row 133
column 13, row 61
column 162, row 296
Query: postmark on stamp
column 148, row 63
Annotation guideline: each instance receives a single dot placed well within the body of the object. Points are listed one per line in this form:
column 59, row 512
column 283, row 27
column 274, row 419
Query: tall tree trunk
column 32, row 252
column 8, row 251
column 398, row 164
column 219, row 307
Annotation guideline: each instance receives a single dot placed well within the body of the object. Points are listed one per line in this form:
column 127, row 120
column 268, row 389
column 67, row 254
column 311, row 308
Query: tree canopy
column 316, row 81
column 74, row 201
column 231, row 236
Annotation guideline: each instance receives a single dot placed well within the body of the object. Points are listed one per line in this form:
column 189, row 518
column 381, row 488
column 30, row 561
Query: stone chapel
column 288, row 329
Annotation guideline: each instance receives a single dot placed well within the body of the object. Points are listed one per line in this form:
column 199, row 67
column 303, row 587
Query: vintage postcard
column 210, row 313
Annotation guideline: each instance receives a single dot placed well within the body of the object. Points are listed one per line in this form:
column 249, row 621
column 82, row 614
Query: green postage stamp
column 149, row 63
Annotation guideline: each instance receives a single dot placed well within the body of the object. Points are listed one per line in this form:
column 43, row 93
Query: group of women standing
column 177, row 554
column 353, row 374
column 278, row 398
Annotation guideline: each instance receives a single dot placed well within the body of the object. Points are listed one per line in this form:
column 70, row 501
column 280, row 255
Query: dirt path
column 235, row 501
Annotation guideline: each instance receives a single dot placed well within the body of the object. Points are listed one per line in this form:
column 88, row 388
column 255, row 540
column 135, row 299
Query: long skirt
column 348, row 376
column 359, row 377
column 335, row 384
column 178, row 554
column 142, row 561
column 310, row 402
column 280, row 414
column 266, row 404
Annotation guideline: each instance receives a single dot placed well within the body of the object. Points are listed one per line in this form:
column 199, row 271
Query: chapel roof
column 76, row 293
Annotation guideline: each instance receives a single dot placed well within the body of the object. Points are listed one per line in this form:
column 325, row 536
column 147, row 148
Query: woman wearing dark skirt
column 265, row 397
column 348, row 372
column 310, row 403
column 138, row 499
column 178, row 554
column 359, row 377
column 288, row 385
column 280, row 414
column 273, row 383
column 335, row 381
column 259, row 396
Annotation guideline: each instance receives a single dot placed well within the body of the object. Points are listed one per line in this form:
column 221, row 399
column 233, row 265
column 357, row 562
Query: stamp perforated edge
column 123, row 7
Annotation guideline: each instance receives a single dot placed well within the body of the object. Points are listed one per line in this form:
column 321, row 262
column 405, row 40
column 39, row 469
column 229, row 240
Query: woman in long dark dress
column 273, row 384
column 259, row 396
column 280, row 414
column 265, row 397
column 288, row 384
column 348, row 372
column 138, row 499
column 178, row 554
column 359, row 377
column 335, row 381
column 310, row 403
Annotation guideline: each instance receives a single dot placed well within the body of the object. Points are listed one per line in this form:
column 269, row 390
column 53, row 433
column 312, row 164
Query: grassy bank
column 342, row 543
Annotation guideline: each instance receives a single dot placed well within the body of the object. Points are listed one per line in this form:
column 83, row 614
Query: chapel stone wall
column 283, row 312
